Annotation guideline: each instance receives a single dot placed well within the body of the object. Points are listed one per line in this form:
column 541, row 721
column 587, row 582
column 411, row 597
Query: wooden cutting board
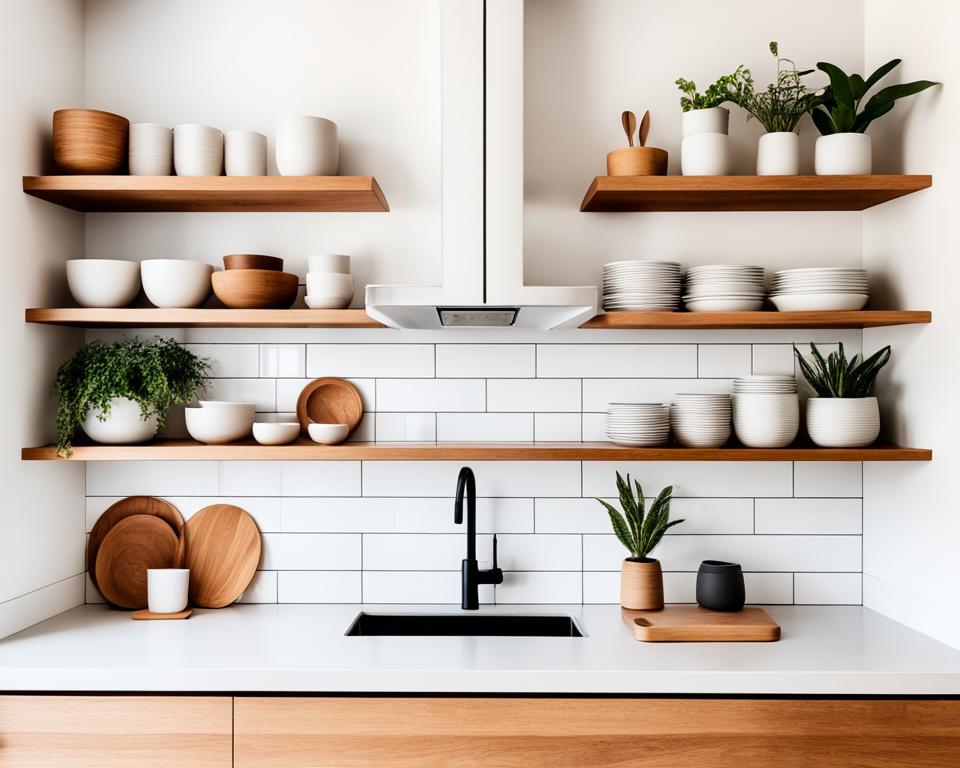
column 222, row 553
column 132, row 546
column 691, row 623
column 329, row 401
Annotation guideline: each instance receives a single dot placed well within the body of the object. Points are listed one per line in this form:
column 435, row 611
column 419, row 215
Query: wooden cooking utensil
column 644, row 128
column 132, row 505
column 223, row 551
column 329, row 401
column 629, row 121
column 691, row 623
column 132, row 546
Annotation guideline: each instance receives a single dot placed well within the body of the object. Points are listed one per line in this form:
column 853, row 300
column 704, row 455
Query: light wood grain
column 637, row 161
column 747, row 193
column 255, row 288
column 203, row 318
column 641, row 585
column 146, row 615
column 329, row 401
column 222, row 553
column 90, row 141
column 129, row 549
column 209, row 193
column 691, row 623
column 115, row 732
column 590, row 733
column 871, row 318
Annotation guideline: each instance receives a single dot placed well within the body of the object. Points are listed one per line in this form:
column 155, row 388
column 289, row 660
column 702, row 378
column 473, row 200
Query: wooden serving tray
column 693, row 624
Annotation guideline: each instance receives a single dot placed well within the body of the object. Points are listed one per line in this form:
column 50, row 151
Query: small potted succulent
column 705, row 149
column 641, row 578
column 843, row 414
column 842, row 119
column 121, row 393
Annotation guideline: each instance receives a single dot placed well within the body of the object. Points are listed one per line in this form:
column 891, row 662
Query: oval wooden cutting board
column 132, row 546
column 222, row 552
column 329, row 401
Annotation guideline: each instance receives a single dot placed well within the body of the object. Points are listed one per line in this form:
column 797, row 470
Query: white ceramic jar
column 197, row 150
column 706, row 154
column 245, row 153
column 167, row 589
column 307, row 146
column 151, row 150
column 712, row 120
column 843, row 154
column 778, row 154
column 124, row 424
column 843, row 422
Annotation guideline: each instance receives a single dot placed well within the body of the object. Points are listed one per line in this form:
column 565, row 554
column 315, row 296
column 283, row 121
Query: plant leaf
column 823, row 121
column 629, row 506
column 878, row 75
column 840, row 83
column 869, row 114
column 619, row 527
column 858, row 87
column 894, row 92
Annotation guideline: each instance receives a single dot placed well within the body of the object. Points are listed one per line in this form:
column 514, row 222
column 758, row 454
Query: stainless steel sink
column 461, row 624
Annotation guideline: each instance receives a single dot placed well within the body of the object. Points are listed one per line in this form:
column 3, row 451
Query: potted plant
column 705, row 149
column 778, row 108
column 843, row 414
column 843, row 147
column 641, row 578
column 121, row 393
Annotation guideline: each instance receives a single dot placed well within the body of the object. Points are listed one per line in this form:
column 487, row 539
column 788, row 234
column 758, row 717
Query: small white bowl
column 103, row 282
column 329, row 262
column 216, row 426
column 173, row 283
column 328, row 434
column 275, row 432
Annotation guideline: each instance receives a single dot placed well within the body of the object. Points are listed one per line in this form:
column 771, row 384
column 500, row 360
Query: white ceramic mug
column 167, row 589
column 329, row 262
column 151, row 150
column 245, row 153
column 705, row 154
column 197, row 150
column 307, row 146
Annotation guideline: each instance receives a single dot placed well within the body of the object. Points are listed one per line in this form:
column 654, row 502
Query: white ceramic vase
column 307, row 146
column 124, row 424
column 712, row 120
column 843, row 154
column 778, row 154
column 843, row 422
column 706, row 154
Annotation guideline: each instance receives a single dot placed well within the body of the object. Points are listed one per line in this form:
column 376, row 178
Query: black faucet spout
column 471, row 575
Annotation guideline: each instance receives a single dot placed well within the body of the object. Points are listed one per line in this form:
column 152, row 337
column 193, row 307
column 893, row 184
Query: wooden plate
column 132, row 546
column 691, row 623
column 329, row 401
column 132, row 505
column 222, row 553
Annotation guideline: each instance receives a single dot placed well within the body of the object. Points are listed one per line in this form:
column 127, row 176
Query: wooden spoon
column 629, row 121
column 644, row 128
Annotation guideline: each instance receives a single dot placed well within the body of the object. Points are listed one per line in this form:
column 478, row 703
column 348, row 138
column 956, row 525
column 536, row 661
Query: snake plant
column 836, row 376
column 637, row 530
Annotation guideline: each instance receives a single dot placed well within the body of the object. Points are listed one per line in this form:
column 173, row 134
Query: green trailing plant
column 639, row 531
column 779, row 107
column 836, row 376
column 837, row 109
column 727, row 88
column 154, row 374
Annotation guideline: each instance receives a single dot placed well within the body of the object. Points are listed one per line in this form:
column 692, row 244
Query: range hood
column 482, row 199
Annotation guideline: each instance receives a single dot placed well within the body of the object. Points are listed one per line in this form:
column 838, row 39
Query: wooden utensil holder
column 637, row 161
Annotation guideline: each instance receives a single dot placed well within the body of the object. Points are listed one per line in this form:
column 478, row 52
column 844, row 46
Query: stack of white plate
column 638, row 424
column 724, row 288
column 766, row 411
column 700, row 420
column 819, row 289
column 641, row 286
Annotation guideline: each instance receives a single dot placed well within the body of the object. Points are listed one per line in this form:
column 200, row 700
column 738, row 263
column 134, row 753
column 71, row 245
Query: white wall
column 911, row 525
column 41, row 523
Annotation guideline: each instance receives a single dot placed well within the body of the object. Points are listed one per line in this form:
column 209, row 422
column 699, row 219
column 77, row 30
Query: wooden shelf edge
column 758, row 320
column 202, row 318
column 188, row 450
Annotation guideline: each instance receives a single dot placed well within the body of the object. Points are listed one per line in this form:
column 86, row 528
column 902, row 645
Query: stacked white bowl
column 638, row 424
column 641, row 286
column 766, row 411
column 820, row 289
column 724, row 288
column 701, row 420
column 245, row 153
column 329, row 282
column 197, row 150
column 151, row 150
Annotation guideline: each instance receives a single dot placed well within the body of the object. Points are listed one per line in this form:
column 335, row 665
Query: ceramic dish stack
column 329, row 282
column 638, row 424
column 724, row 288
column 766, row 411
column 701, row 420
column 641, row 286
column 820, row 289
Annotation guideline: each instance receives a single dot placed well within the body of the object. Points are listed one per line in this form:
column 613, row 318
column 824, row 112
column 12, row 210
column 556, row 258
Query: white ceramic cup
column 329, row 262
column 151, row 150
column 168, row 589
column 706, row 154
column 843, row 154
column 197, row 150
column 307, row 146
column 778, row 154
column 712, row 120
column 245, row 153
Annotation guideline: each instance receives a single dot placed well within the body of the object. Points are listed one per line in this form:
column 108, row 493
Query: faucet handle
column 494, row 551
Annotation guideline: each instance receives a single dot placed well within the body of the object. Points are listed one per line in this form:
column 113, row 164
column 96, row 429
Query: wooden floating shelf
column 209, row 193
column 203, row 318
column 861, row 319
column 747, row 193
column 304, row 450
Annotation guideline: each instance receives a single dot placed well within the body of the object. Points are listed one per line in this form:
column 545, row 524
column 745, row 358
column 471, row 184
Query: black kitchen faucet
column 471, row 575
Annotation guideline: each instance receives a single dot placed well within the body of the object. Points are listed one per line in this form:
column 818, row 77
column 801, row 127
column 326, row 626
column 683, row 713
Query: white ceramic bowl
column 103, row 282
column 819, row 302
column 123, row 426
column 329, row 262
column 275, row 432
column 175, row 282
column 245, row 153
column 216, row 426
column 197, row 150
column 328, row 434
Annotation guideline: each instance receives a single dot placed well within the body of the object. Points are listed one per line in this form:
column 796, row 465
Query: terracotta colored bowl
column 90, row 141
column 252, row 261
column 255, row 288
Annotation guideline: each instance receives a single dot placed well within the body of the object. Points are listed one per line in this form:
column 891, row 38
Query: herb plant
column 637, row 531
column 836, row 376
column 154, row 374
column 779, row 107
column 837, row 109
column 727, row 88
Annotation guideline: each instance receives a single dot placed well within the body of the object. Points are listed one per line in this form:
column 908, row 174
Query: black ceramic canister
column 720, row 586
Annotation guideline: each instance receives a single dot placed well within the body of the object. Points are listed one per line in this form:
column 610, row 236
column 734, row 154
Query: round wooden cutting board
column 329, row 401
column 222, row 553
column 132, row 546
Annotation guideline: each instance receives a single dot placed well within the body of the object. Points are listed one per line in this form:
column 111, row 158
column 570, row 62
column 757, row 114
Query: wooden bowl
column 329, row 401
column 637, row 161
column 90, row 141
column 255, row 288
column 252, row 261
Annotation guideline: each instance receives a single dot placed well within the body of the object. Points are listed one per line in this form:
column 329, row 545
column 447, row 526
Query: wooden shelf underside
column 747, row 193
column 209, row 193
column 188, row 450
column 861, row 319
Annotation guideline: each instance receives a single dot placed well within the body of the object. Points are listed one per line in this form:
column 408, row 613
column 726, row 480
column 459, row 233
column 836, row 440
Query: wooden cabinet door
column 116, row 732
column 590, row 733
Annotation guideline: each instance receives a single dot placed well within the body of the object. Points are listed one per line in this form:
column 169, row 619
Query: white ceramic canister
column 245, row 153
column 712, row 120
column 778, row 154
column 151, row 150
column 197, row 150
column 843, row 154
column 307, row 146
column 168, row 589
column 706, row 154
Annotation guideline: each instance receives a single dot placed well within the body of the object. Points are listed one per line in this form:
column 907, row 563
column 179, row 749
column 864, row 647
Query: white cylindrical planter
column 706, row 154
column 778, row 154
column 245, row 153
column 843, row 422
column 124, row 424
column 712, row 120
column 766, row 420
column 843, row 154
column 307, row 146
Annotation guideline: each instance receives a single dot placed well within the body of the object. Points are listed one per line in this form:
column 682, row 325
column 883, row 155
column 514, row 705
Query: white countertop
column 302, row 648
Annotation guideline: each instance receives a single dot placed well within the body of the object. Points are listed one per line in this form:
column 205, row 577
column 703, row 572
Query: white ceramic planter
column 712, row 120
column 778, row 154
column 706, row 154
column 123, row 425
column 843, row 154
column 840, row 422
column 307, row 146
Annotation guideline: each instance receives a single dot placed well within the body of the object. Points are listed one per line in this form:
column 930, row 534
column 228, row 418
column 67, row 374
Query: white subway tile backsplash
column 484, row 427
column 531, row 587
column 700, row 516
column 152, row 478
column 828, row 588
column 773, row 359
column 417, row 587
column 827, row 479
column 768, row 588
column 556, row 427
column 431, row 395
column 436, row 516
column 229, row 361
column 486, row 360
column 616, row 360
column 263, row 588
column 599, row 393
column 810, row 516
column 310, row 552
column 319, row 587
column 419, row 552
column 548, row 395
column 724, row 361
column 539, row 552
column 693, row 478
column 288, row 361
column 370, row 360
column 494, row 478
column 406, row 427
column 261, row 392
